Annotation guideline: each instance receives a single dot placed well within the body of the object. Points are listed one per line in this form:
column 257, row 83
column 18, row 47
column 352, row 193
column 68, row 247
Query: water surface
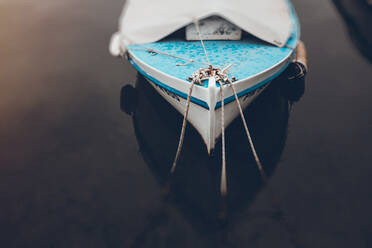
column 79, row 167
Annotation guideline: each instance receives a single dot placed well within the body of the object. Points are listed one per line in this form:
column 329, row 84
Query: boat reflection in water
column 357, row 15
column 195, row 183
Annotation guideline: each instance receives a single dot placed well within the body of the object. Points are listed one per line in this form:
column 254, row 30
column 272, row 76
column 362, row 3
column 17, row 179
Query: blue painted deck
column 249, row 57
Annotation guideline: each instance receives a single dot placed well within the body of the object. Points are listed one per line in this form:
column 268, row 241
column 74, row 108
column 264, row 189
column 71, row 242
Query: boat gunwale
column 135, row 62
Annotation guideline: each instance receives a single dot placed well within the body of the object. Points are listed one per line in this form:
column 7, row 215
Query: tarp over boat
column 144, row 21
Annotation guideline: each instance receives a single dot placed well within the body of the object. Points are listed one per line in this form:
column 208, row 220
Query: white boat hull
column 205, row 105
column 208, row 121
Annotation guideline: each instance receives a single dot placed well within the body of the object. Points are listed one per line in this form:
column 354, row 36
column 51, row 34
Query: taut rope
column 180, row 143
column 196, row 22
column 154, row 52
column 223, row 187
column 259, row 165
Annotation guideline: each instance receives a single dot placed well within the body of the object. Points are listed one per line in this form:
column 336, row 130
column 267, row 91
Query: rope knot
column 203, row 74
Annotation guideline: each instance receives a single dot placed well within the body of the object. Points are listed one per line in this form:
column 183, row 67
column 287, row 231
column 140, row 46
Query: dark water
column 76, row 170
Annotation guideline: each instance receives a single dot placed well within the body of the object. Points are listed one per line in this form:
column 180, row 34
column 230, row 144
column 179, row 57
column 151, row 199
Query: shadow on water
column 195, row 185
column 357, row 15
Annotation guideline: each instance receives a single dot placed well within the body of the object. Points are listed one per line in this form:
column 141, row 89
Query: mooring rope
column 180, row 143
column 196, row 22
column 258, row 162
column 223, row 187
column 154, row 51
column 275, row 201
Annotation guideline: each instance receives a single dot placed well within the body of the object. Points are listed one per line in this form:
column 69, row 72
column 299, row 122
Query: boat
column 209, row 59
column 268, row 116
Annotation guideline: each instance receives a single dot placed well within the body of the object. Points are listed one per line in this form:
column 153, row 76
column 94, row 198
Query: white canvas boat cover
column 144, row 21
